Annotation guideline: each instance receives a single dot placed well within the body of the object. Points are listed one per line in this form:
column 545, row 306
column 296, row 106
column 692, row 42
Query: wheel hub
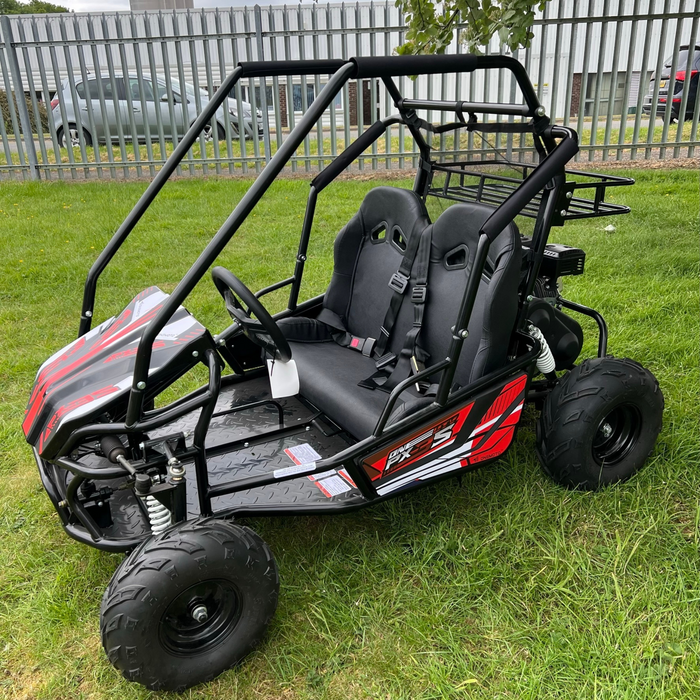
column 201, row 617
column 617, row 434
column 200, row 613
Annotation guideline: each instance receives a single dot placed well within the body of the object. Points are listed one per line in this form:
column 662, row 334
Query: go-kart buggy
column 413, row 367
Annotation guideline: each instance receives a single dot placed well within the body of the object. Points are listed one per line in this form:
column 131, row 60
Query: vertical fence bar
column 599, row 80
column 275, row 79
column 643, row 78
column 612, row 95
column 657, row 81
column 18, row 93
column 671, row 92
column 85, row 76
column 3, row 131
column 629, row 72
column 213, row 124
column 216, row 143
column 263, row 85
column 132, row 110
column 39, row 54
column 588, row 32
column 115, row 95
column 32, row 96
column 686, row 85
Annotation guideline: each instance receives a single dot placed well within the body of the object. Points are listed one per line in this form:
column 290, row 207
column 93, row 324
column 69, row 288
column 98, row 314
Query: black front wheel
column 188, row 604
column 600, row 423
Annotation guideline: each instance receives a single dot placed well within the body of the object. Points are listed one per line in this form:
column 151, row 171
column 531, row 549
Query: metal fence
column 110, row 94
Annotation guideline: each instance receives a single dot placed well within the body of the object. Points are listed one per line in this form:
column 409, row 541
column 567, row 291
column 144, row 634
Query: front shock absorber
column 159, row 516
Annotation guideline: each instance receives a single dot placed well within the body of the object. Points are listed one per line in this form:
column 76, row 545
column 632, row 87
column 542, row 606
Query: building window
column 310, row 96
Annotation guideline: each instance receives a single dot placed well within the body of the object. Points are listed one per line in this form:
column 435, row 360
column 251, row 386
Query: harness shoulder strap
column 399, row 283
column 410, row 351
column 412, row 357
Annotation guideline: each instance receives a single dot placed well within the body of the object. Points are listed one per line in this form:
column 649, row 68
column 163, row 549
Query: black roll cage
column 548, row 176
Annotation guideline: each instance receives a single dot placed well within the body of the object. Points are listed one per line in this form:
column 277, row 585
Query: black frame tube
column 149, row 195
column 224, row 235
column 597, row 317
column 508, row 109
column 303, row 248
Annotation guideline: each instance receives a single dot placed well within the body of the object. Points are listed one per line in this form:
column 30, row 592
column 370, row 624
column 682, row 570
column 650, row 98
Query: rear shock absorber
column 545, row 362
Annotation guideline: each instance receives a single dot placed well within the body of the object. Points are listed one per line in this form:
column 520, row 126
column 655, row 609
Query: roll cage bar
column 548, row 177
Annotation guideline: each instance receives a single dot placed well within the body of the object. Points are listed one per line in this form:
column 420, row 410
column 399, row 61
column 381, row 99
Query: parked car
column 685, row 70
column 158, row 101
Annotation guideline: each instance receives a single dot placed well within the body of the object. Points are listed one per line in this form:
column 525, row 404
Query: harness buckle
column 398, row 282
column 385, row 360
column 418, row 293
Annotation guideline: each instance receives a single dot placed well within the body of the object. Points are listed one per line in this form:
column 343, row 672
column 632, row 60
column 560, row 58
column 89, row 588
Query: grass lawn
column 505, row 586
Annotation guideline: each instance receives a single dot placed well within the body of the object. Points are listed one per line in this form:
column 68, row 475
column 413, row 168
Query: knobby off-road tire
column 188, row 604
column 600, row 423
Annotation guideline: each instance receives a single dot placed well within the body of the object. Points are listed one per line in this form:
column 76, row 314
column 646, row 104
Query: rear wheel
column 188, row 604
column 600, row 423
column 73, row 137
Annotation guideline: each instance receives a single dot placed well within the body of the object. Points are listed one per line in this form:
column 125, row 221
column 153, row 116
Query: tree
column 14, row 7
column 431, row 24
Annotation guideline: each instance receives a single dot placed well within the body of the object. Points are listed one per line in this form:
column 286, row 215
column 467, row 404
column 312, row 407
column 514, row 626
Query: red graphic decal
column 508, row 394
column 63, row 410
column 51, row 374
column 420, row 444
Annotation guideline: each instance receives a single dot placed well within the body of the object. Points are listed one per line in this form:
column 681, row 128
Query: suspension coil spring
column 158, row 515
column 545, row 362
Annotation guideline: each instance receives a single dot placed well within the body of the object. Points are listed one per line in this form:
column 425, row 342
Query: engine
column 563, row 334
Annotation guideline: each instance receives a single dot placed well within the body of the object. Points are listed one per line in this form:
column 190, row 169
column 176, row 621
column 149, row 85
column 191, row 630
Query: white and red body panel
column 93, row 374
column 479, row 431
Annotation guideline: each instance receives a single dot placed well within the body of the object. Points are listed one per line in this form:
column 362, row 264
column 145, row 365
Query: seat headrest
column 457, row 229
column 393, row 207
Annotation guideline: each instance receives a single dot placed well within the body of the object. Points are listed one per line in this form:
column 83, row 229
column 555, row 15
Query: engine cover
column 562, row 333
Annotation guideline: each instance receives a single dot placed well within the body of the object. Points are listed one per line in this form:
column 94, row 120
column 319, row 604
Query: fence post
column 24, row 119
column 263, row 88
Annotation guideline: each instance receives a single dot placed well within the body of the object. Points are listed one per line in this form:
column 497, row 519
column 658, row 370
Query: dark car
column 686, row 69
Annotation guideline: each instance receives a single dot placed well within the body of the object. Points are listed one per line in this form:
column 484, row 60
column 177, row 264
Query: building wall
column 139, row 5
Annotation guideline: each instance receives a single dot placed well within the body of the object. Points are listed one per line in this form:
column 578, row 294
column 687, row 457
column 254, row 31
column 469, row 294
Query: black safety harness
column 392, row 369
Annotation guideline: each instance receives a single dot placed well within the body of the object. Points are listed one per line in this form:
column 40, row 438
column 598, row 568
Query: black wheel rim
column 185, row 631
column 617, row 434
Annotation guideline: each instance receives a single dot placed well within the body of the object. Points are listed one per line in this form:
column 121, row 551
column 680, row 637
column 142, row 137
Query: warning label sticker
column 323, row 475
column 296, row 469
column 333, row 486
column 302, row 454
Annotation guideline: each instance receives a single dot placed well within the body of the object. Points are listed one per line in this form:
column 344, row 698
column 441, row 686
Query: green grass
column 505, row 586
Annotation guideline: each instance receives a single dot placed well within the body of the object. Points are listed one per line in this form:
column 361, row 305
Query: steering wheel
column 263, row 332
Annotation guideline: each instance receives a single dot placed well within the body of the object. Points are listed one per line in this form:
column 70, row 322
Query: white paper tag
column 284, row 378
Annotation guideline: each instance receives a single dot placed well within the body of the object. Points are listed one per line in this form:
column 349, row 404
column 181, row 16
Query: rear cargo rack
column 468, row 181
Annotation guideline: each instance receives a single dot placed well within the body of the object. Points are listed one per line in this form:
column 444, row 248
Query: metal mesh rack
column 469, row 181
